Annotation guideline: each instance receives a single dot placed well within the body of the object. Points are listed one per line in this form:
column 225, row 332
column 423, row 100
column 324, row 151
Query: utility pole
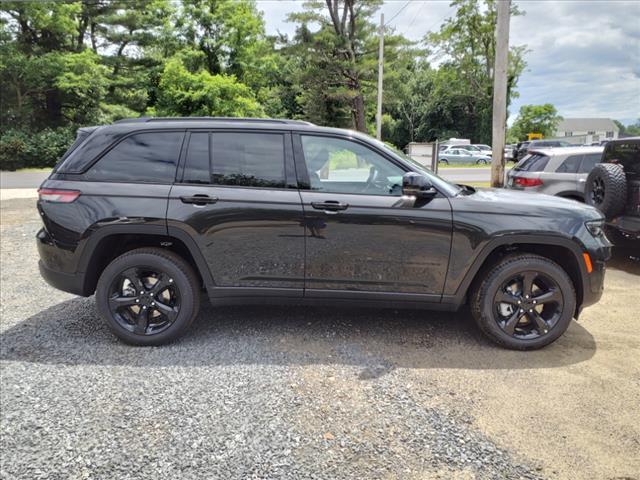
column 500, row 93
column 380, row 67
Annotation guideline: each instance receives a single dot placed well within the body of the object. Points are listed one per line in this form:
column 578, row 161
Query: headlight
column 595, row 227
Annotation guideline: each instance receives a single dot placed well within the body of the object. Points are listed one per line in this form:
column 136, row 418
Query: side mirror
column 416, row 185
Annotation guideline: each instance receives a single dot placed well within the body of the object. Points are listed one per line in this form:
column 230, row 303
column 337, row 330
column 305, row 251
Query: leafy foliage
column 81, row 62
column 535, row 119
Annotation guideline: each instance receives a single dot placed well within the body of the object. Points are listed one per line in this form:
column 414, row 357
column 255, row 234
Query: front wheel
column 524, row 302
column 148, row 296
column 481, row 161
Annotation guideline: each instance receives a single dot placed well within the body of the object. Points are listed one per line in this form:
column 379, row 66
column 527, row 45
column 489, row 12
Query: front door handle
column 199, row 199
column 330, row 205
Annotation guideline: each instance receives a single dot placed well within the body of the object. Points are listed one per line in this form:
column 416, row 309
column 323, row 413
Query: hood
column 500, row 200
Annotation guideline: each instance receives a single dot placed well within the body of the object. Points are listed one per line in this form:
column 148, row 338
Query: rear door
column 565, row 179
column 589, row 161
column 236, row 196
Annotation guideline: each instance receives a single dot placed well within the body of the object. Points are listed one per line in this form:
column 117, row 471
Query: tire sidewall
column 500, row 275
column 614, row 180
column 188, row 302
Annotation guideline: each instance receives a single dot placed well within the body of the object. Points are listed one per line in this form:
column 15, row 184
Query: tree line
column 67, row 64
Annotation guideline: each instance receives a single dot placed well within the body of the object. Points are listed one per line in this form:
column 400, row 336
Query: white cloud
column 584, row 54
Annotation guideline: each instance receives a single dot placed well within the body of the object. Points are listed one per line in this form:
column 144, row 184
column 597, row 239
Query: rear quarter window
column 535, row 162
column 147, row 157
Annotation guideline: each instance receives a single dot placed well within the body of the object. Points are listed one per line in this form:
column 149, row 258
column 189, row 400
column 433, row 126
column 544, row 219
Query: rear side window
column 149, row 157
column 196, row 169
column 536, row 162
column 570, row 164
column 248, row 159
column 589, row 161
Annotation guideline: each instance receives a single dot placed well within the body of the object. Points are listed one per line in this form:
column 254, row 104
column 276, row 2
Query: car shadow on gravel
column 375, row 340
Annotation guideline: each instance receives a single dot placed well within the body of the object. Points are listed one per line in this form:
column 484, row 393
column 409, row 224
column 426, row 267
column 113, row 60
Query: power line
column 397, row 13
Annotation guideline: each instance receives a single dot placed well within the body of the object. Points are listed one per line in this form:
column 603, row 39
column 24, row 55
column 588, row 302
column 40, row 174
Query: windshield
column 440, row 183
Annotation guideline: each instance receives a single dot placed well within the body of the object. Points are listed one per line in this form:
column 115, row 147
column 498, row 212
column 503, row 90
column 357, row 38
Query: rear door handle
column 330, row 205
column 199, row 199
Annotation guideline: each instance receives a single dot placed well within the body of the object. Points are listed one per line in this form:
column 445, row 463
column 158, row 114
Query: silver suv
column 555, row 171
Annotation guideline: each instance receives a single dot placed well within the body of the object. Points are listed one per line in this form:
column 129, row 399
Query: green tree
column 185, row 93
column 535, row 119
column 463, row 85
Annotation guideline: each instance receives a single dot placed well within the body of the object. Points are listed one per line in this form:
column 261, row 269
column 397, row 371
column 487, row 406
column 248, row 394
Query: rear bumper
column 627, row 224
column 72, row 283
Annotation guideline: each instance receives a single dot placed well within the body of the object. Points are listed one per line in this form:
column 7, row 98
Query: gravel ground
column 277, row 392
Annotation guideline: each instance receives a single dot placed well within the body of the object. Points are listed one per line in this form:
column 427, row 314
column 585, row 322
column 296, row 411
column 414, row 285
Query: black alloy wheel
column 144, row 300
column 523, row 301
column 528, row 305
column 597, row 191
column 148, row 296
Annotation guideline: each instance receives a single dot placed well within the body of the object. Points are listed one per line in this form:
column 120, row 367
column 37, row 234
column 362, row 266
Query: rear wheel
column 148, row 296
column 524, row 302
column 444, row 160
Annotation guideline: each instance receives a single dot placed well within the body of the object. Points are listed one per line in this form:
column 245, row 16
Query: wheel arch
column 563, row 251
column 110, row 242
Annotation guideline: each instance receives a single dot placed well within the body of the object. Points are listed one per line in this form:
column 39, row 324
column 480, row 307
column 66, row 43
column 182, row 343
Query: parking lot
column 281, row 392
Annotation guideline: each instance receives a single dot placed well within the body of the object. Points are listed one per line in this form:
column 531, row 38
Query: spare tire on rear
column 606, row 189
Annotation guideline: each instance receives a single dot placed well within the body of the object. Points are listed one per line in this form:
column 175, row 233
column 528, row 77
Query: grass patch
column 507, row 166
column 478, row 184
column 34, row 170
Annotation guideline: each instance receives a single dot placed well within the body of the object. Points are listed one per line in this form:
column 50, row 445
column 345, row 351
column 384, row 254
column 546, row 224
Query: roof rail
column 212, row 119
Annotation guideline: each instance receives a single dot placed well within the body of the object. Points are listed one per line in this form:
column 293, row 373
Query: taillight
column 57, row 196
column 527, row 182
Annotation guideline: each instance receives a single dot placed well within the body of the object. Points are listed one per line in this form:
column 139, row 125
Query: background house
column 586, row 130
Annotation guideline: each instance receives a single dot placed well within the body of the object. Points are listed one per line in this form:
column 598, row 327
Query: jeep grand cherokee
column 149, row 213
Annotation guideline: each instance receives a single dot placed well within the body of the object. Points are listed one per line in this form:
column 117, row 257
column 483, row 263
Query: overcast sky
column 584, row 55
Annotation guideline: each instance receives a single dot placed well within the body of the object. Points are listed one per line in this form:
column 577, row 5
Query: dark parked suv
column 148, row 213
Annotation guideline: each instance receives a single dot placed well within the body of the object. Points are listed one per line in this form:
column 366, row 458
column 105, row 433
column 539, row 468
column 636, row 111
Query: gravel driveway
column 274, row 392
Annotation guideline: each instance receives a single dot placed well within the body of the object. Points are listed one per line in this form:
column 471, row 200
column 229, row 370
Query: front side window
column 343, row 166
column 248, row 159
column 570, row 164
column 149, row 157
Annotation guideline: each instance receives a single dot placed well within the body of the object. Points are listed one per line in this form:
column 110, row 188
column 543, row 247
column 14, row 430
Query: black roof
column 213, row 119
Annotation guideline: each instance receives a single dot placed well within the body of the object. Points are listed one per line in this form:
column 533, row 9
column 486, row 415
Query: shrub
column 22, row 149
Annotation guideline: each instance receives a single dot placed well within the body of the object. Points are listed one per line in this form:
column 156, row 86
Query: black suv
column 148, row 213
column 613, row 187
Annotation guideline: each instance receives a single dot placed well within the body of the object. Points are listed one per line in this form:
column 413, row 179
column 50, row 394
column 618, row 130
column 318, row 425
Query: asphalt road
column 33, row 180
column 293, row 393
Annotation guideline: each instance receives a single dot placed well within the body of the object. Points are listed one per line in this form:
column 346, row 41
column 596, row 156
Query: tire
column 527, row 333
column 444, row 160
column 606, row 189
column 481, row 162
column 126, row 283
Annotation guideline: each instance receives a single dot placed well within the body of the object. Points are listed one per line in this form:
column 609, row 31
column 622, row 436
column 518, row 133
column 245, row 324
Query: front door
column 364, row 239
column 236, row 196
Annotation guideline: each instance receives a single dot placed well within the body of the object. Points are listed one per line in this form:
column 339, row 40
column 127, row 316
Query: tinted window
column 570, row 165
column 248, row 159
column 196, row 167
column 342, row 166
column 533, row 163
column 144, row 157
column 589, row 161
column 626, row 153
